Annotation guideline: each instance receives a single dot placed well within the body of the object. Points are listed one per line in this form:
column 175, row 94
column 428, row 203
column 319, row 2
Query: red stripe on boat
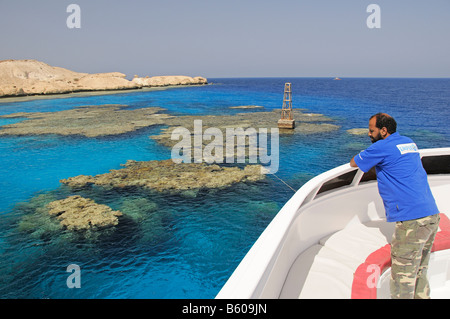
column 367, row 274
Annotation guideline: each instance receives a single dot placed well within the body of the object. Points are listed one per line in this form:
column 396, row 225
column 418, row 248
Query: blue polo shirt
column 402, row 180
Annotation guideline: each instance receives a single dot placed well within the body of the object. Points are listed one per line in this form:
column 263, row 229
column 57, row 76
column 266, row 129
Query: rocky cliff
column 168, row 80
column 31, row 77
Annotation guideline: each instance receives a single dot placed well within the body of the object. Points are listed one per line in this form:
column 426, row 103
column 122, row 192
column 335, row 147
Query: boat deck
column 354, row 263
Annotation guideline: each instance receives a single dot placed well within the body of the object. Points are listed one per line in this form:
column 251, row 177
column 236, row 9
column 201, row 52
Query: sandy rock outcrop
column 156, row 81
column 31, row 77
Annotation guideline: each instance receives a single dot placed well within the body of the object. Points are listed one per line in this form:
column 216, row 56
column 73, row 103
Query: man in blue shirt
column 408, row 201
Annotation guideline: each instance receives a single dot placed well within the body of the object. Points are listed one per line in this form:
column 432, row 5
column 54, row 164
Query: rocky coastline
column 32, row 77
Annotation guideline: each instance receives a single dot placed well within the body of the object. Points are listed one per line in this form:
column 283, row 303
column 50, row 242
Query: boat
column 331, row 240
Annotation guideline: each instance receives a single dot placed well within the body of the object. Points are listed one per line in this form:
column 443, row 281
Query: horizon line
column 328, row 77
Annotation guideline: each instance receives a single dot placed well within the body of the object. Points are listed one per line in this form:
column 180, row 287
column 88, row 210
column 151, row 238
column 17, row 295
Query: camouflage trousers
column 410, row 254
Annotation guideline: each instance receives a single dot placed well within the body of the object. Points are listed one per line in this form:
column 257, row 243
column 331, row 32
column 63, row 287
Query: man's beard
column 376, row 138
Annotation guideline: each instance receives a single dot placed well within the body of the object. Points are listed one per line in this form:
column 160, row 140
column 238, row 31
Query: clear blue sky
column 232, row 38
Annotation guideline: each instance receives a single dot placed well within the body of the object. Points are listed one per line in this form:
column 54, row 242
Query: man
column 408, row 201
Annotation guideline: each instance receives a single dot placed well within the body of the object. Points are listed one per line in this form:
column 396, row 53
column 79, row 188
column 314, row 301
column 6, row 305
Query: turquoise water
column 182, row 247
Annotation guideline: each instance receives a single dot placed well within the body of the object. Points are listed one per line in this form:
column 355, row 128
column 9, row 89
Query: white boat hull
column 319, row 243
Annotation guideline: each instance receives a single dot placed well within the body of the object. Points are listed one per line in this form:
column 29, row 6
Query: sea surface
column 184, row 247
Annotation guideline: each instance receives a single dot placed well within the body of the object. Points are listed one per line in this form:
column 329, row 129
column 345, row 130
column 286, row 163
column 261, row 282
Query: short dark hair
column 385, row 120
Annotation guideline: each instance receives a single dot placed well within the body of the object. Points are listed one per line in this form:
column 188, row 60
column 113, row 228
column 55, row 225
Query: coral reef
column 88, row 121
column 358, row 131
column 308, row 123
column 36, row 220
column 78, row 217
column 168, row 176
column 79, row 213
column 103, row 120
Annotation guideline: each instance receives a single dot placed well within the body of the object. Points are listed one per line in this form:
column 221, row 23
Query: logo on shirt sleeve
column 408, row 148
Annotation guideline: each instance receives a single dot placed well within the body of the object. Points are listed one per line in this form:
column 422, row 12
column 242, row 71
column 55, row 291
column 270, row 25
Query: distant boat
column 336, row 78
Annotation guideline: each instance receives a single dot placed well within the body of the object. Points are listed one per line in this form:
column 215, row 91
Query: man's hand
column 352, row 162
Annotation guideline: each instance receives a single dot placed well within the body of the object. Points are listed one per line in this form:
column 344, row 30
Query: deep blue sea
column 187, row 247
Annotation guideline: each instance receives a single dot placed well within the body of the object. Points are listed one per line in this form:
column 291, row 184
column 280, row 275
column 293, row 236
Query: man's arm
column 352, row 162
